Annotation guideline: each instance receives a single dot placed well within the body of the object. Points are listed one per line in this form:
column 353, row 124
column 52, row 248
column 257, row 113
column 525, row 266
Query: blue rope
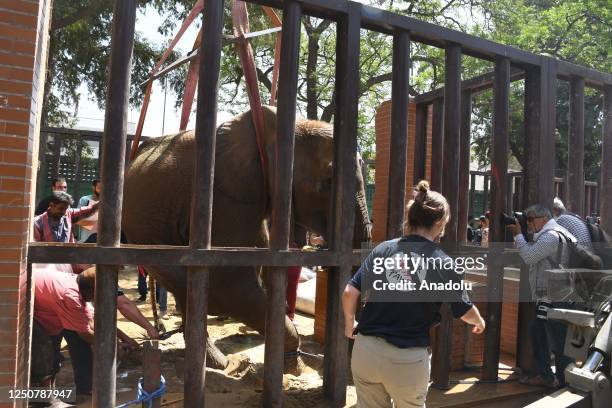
column 144, row 396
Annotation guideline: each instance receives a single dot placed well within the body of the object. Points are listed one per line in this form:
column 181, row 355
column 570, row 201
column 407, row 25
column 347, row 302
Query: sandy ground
column 240, row 385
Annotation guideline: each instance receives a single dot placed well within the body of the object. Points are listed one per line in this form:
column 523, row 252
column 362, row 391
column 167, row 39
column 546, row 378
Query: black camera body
column 519, row 216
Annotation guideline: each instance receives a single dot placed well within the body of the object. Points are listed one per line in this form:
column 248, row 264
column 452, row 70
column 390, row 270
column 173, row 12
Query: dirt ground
column 240, row 385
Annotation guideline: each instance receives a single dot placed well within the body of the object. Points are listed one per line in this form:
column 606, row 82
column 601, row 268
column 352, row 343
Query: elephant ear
column 237, row 166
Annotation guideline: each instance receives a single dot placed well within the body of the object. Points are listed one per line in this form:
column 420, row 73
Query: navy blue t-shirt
column 403, row 297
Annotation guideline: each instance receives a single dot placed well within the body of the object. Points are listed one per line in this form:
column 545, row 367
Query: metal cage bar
column 201, row 208
column 281, row 202
column 112, row 169
column 344, row 187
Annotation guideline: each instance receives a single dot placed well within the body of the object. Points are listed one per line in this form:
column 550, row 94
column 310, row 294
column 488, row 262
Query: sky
column 91, row 117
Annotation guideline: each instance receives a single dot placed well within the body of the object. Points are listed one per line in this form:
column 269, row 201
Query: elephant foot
column 214, row 357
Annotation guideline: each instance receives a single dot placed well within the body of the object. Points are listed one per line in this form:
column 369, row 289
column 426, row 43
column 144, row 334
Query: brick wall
column 23, row 54
column 383, row 138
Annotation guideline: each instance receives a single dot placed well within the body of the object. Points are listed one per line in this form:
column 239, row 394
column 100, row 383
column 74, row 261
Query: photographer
column 540, row 255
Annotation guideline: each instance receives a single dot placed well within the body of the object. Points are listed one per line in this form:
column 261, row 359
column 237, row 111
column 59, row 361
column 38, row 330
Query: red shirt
column 58, row 305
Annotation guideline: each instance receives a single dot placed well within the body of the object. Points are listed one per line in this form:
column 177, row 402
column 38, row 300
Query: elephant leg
column 242, row 284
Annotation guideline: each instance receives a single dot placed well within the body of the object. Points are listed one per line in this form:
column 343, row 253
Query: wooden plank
column 420, row 143
column 464, row 167
column 281, row 202
column 472, row 194
column 437, row 144
column 476, row 85
column 336, row 361
column 201, row 208
column 112, row 169
column 485, row 194
column 575, row 149
column 399, row 134
column 452, row 136
column 172, row 255
column 537, row 181
column 375, row 19
column 605, row 195
column 151, row 367
column 441, row 353
column 548, row 100
column 499, row 174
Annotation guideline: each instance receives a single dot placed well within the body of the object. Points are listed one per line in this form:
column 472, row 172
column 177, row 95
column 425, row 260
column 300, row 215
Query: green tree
column 576, row 31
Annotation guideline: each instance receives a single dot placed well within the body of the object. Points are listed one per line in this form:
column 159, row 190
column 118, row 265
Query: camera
column 521, row 217
column 511, row 219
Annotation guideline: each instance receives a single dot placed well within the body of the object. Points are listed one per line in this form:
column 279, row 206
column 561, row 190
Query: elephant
column 157, row 203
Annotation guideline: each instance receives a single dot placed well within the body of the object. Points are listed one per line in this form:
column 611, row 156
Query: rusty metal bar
column 499, row 173
column 452, row 135
column 112, row 168
column 420, row 143
column 399, row 133
column 437, row 143
column 464, row 166
column 281, row 202
column 575, row 146
column 201, row 208
column 344, row 186
column 606, row 163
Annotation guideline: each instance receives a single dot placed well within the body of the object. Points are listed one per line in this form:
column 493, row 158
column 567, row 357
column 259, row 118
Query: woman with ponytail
column 391, row 357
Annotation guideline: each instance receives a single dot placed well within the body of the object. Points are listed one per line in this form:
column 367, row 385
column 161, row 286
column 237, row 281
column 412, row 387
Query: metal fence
column 540, row 74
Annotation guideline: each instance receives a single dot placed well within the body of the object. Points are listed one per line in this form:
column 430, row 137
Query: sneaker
column 164, row 315
column 142, row 298
column 539, row 381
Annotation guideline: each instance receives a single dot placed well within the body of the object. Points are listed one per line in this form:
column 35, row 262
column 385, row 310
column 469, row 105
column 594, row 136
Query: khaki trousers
column 388, row 376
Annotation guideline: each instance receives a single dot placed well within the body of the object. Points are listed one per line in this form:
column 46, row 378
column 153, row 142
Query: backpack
column 580, row 257
column 602, row 244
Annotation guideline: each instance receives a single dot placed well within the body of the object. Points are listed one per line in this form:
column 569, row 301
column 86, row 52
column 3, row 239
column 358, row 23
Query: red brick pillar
column 383, row 136
column 23, row 53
